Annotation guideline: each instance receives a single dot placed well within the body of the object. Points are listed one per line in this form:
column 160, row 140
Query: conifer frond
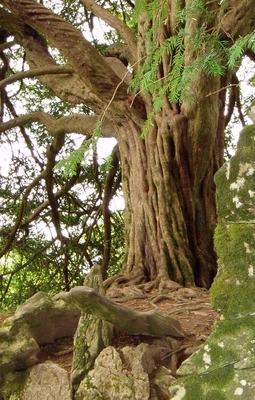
column 236, row 51
column 68, row 166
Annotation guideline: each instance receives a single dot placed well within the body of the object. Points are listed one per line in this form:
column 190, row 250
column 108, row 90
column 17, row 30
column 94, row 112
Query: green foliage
column 68, row 166
column 211, row 54
column 237, row 49
column 207, row 48
column 38, row 260
column 148, row 123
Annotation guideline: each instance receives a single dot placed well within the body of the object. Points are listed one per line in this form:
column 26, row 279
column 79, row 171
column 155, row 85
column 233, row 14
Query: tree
column 169, row 123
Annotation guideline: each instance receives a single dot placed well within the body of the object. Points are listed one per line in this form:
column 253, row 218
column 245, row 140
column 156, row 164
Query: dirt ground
column 190, row 306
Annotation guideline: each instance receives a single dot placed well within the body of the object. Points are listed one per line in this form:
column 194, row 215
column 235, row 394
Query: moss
column 193, row 388
column 227, row 358
column 219, row 352
column 233, row 328
column 14, row 385
column 235, row 181
column 215, row 395
column 233, row 290
column 219, row 378
column 206, row 385
column 221, row 356
column 246, row 139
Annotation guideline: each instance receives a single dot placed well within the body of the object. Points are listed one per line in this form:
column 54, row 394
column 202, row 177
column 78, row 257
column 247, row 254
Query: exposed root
column 135, row 286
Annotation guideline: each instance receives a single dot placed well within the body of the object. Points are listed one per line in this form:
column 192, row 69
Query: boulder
column 17, row 351
column 47, row 381
column 45, row 318
column 40, row 319
column 131, row 373
column 40, row 382
column 117, row 377
column 224, row 368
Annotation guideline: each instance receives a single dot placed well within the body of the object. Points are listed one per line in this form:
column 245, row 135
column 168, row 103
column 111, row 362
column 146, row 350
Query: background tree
column 169, row 124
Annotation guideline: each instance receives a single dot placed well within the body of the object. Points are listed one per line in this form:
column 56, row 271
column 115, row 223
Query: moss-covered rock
column 233, row 290
column 236, row 184
column 117, row 377
column 92, row 334
column 224, row 368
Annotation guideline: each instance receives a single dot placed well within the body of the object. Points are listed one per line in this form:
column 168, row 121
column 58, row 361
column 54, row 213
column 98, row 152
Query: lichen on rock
column 224, row 367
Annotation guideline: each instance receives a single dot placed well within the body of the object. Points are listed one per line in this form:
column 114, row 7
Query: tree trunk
column 168, row 177
column 169, row 193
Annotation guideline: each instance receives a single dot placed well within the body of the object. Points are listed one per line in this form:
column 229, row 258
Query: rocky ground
column 190, row 306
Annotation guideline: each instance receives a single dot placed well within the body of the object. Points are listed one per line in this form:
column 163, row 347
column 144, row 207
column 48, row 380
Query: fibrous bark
column 167, row 176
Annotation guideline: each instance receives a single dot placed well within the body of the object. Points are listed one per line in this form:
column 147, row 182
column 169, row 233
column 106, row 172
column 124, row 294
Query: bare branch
column 20, row 215
column 124, row 31
column 50, row 70
column 74, row 123
column 106, row 211
column 7, row 45
column 38, row 210
column 151, row 323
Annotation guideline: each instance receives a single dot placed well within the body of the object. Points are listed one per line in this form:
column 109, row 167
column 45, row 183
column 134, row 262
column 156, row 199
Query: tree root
column 151, row 323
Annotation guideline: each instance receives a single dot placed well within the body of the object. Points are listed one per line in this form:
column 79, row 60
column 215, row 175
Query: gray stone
column 40, row 382
column 46, row 381
column 17, row 351
column 163, row 380
column 112, row 380
column 129, row 374
column 39, row 320
column 45, row 318
column 139, row 358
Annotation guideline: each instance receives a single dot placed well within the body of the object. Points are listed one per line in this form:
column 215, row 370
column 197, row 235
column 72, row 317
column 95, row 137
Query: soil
column 191, row 307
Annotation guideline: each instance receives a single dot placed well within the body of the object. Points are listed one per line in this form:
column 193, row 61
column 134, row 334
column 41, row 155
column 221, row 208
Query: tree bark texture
column 167, row 176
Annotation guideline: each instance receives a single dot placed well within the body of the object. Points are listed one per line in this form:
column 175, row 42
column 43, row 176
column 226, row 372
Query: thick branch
column 151, row 323
column 91, row 67
column 67, row 87
column 74, row 123
column 51, row 70
column 239, row 19
column 124, row 31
